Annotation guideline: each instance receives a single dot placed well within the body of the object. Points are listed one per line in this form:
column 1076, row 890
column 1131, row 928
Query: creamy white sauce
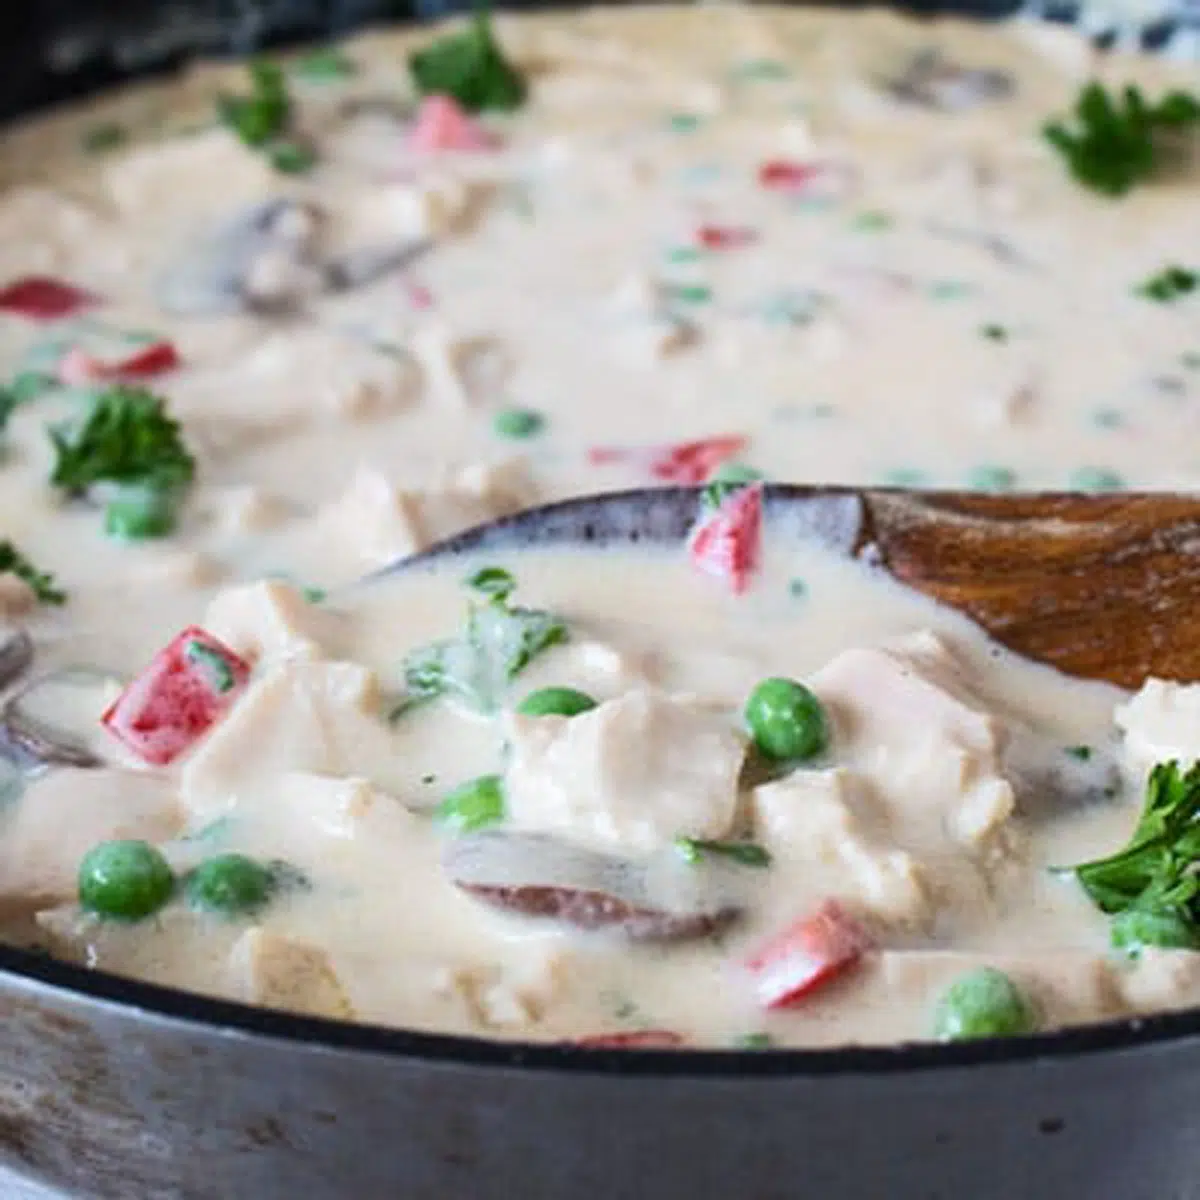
column 847, row 340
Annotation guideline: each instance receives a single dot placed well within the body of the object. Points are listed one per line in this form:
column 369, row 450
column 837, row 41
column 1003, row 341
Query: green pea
column 230, row 885
column 1166, row 927
column 556, row 702
column 982, row 1003
column 473, row 805
column 140, row 513
column 786, row 720
column 518, row 423
column 124, row 880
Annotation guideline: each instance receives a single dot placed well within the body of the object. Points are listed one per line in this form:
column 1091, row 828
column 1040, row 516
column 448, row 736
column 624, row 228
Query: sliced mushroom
column 930, row 80
column 47, row 722
column 663, row 899
column 270, row 260
column 16, row 656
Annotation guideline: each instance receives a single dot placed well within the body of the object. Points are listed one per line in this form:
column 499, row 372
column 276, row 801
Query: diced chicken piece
column 302, row 715
column 1160, row 980
column 456, row 368
column 908, row 712
column 512, row 997
column 62, row 815
column 169, row 566
column 631, row 775
column 17, row 598
column 375, row 521
column 1161, row 722
column 270, row 621
column 343, row 808
column 436, row 206
column 177, row 176
column 285, row 973
column 246, row 509
column 823, row 816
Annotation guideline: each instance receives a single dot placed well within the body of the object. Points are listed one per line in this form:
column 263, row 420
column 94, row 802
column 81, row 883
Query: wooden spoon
column 1100, row 586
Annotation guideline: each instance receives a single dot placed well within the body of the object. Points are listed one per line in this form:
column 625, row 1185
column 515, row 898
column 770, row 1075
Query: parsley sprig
column 745, row 854
column 1152, row 887
column 1118, row 141
column 126, row 439
column 13, row 562
column 501, row 640
column 471, row 67
column 263, row 119
column 1170, row 284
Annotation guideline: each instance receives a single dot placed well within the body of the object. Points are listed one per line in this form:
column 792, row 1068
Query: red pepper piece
column 727, row 542
column 442, row 124
column 723, row 237
column 41, row 298
column 638, row 1039
column 787, row 175
column 79, row 368
column 686, row 463
column 808, row 954
column 188, row 686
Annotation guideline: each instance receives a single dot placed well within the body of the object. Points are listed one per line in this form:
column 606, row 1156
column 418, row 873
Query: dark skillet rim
column 207, row 1014
column 201, row 1014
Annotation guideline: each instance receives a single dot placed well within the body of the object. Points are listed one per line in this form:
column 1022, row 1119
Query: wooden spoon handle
column 1106, row 587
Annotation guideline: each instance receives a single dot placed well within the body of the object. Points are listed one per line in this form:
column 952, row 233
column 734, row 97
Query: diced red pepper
column 188, row 686
column 419, row 296
column 727, row 542
column 802, row 958
column 639, row 1039
column 687, row 463
column 723, row 237
column 787, row 175
column 43, row 299
column 78, row 368
column 442, row 124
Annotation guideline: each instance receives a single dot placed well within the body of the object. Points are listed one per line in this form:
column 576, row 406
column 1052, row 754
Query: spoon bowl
column 1102, row 586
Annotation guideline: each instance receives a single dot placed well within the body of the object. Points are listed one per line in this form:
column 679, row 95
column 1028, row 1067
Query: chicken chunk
column 270, row 621
column 376, row 521
column 823, row 817
column 1161, row 722
column 62, row 815
column 302, row 715
column 280, row 972
column 630, row 775
column 909, row 714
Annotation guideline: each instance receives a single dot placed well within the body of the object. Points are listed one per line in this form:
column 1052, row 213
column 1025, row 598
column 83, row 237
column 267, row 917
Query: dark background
column 54, row 49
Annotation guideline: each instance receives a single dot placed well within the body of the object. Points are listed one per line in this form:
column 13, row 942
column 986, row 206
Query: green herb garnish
column 725, row 481
column 1083, row 753
column 518, row 423
column 746, row 854
column 213, row 663
column 13, row 562
column 1152, row 885
column 501, row 641
column 994, row 333
column 1118, row 141
column 127, row 439
column 471, row 67
column 755, row 1041
column 326, row 65
column 100, row 139
column 1169, row 284
column 473, row 805
column 263, row 118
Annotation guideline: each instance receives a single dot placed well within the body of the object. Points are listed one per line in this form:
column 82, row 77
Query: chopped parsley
column 1082, row 752
column 101, row 138
column 1171, row 283
column 994, row 333
column 262, row 119
column 470, row 66
column 214, row 664
column 13, row 562
column 1116, row 141
column 518, row 423
column 326, row 65
column 725, row 481
column 755, row 1041
column 125, row 439
column 1151, row 887
column 501, row 640
column 745, row 854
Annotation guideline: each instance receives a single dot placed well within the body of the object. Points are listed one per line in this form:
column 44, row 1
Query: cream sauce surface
column 938, row 305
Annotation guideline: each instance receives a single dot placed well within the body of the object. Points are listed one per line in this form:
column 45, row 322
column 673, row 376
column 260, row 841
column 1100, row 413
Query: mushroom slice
column 16, row 655
column 933, row 81
column 661, row 899
column 54, row 719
